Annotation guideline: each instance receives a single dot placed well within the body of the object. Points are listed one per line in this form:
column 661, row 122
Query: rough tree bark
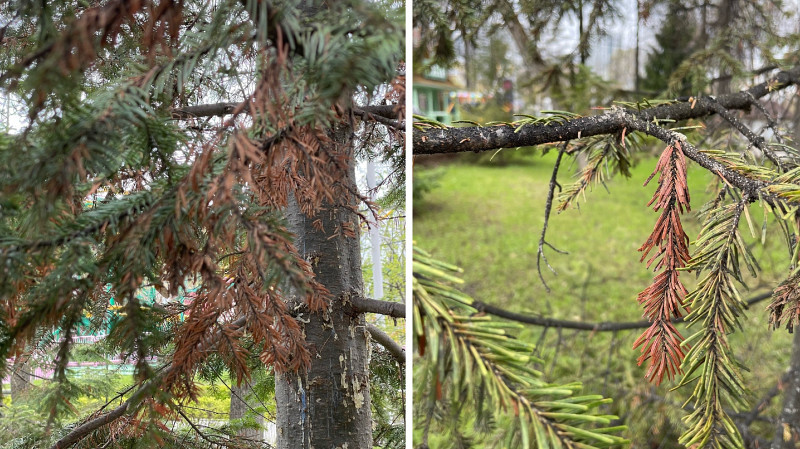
column 476, row 138
column 240, row 404
column 329, row 405
column 20, row 377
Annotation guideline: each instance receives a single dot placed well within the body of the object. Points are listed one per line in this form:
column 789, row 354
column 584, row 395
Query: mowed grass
column 487, row 219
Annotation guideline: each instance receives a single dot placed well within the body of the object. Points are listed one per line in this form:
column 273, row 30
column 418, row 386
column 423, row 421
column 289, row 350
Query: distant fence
column 119, row 365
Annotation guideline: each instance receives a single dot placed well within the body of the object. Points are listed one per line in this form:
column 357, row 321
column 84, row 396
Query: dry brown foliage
column 664, row 298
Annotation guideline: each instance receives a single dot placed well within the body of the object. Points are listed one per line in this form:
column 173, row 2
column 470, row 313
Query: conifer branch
column 472, row 139
column 395, row 124
column 664, row 298
column 92, row 424
column 785, row 305
column 604, row 326
column 227, row 108
column 606, row 155
column 716, row 305
column 480, row 363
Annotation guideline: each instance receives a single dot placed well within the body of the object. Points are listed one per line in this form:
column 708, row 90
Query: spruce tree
column 198, row 146
column 674, row 44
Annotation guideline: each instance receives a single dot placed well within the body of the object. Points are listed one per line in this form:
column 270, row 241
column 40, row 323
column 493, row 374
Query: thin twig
column 547, row 208
column 756, row 141
column 771, row 122
column 607, row 326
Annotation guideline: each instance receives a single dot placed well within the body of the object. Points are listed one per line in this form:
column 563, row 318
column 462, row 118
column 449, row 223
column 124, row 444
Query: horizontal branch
column 224, row 108
column 388, row 308
column 457, row 140
column 361, row 304
column 365, row 115
column 89, row 426
column 95, row 423
column 387, row 342
column 204, row 110
column 608, row 326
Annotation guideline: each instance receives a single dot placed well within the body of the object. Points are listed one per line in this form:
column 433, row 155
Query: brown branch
column 387, row 342
column 607, row 326
column 205, row 110
column 365, row 115
column 750, row 188
column 379, row 113
column 84, row 429
column 367, row 305
column 457, row 140
column 95, row 423
column 362, row 304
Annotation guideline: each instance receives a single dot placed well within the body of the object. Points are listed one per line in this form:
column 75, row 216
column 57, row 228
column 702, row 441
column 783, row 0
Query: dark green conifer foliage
column 675, row 43
column 159, row 145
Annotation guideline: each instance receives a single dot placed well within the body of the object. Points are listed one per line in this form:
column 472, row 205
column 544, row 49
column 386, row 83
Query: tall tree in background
column 528, row 23
column 216, row 145
column 674, row 41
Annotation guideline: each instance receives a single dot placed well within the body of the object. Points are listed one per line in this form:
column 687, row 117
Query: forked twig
column 547, row 207
column 756, row 141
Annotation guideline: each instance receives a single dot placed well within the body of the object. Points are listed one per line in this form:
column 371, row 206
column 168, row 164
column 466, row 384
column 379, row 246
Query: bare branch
column 607, row 326
column 457, row 140
column 396, row 124
column 387, row 112
column 367, row 305
column 386, row 341
column 547, row 208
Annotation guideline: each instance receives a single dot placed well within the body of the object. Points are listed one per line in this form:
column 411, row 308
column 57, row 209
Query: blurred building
column 435, row 96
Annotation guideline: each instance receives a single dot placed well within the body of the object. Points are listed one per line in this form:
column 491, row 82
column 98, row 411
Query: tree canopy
column 175, row 145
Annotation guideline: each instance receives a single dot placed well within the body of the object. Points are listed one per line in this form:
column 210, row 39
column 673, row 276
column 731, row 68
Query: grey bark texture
column 242, row 402
column 329, row 405
column 20, row 377
column 787, row 433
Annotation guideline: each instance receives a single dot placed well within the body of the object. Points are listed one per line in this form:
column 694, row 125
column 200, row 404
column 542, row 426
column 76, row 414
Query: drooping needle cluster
column 668, row 243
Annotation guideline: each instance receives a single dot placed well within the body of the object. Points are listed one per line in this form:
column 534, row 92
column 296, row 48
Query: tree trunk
column 787, row 433
column 240, row 405
column 20, row 377
column 329, row 405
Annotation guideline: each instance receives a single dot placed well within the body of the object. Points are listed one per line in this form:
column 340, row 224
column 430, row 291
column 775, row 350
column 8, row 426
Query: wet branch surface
column 458, row 140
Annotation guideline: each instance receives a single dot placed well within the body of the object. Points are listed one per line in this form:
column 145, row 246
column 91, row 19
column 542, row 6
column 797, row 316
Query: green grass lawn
column 487, row 219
